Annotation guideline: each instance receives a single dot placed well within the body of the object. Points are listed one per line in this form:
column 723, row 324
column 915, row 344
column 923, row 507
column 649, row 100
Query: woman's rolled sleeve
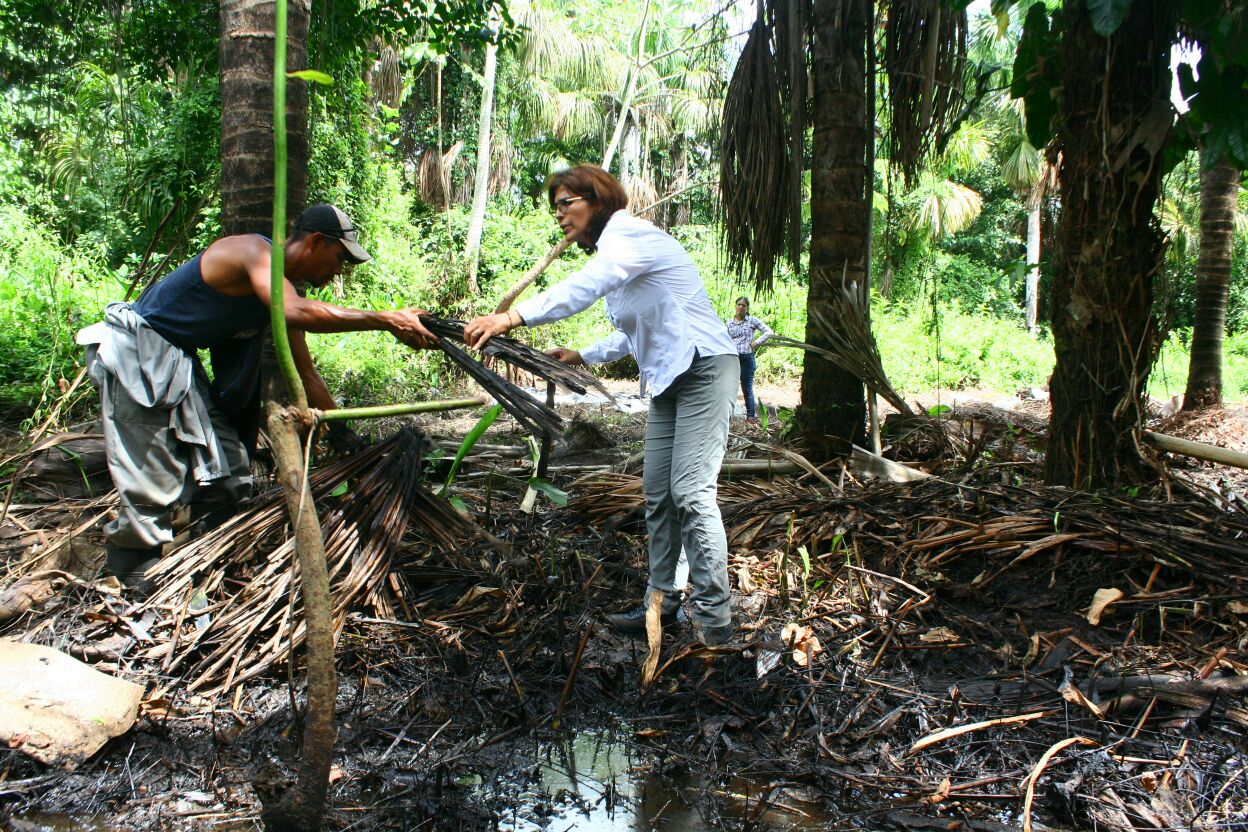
column 614, row 346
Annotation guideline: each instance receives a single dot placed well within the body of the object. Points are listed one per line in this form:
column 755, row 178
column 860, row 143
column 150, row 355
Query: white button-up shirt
column 655, row 300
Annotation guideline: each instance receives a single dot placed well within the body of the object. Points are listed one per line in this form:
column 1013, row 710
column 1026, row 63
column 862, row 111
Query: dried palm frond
column 754, row 168
column 525, row 357
column 641, row 195
column 791, row 21
column 925, row 57
column 501, row 151
column 387, row 79
column 852, row 347
column 435, row 174
column 429, row 174
column 230, row 591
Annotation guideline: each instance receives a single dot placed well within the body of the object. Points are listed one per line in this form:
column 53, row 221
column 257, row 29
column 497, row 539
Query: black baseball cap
column 331, row 222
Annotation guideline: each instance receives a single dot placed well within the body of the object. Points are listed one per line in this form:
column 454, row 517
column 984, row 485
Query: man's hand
column 344, row 440
column 406, row 326
column 567, row 356
column 479, row 331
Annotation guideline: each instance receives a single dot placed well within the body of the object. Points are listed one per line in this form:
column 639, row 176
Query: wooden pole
column 1197, row 450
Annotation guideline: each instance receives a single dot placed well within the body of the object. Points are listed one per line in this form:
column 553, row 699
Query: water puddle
column 58, row 823
column 595, row 782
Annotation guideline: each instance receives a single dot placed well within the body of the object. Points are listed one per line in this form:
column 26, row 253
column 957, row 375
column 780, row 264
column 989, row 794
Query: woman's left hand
column 479, row 331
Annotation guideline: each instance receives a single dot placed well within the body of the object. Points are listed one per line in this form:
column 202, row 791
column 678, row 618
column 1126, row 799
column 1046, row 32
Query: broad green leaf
column 1107, row 15
column 312, row 75
column 1027, row 60
column 340, row 489
column 938, row 409
column 473, row 437
column 457, row 503
column 557, row 495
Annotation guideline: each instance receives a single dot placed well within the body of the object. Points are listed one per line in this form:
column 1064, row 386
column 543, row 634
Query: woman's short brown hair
column 596, row 185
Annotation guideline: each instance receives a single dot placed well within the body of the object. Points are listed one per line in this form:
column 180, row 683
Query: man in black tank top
column 171, row 437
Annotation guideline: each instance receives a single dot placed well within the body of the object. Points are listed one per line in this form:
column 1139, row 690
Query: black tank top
column 192, row 315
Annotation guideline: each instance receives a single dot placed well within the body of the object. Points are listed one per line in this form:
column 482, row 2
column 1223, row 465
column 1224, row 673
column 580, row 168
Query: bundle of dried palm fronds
column 755, row 175
column 230, row 592
column 535, row 416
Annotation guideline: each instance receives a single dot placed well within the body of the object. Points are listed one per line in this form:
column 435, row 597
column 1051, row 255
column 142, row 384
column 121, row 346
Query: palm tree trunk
column 1108, row 244
column 1033, row 262
column 1219, row 189
column 630, row 86
column 246, row 58
column 481, row 183
column 833, row 405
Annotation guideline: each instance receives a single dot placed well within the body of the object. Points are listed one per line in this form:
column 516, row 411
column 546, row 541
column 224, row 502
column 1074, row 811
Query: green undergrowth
column 956, row 350
column 48, row 290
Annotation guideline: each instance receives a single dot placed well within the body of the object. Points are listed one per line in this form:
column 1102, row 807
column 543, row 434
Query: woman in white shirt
column 657, row 303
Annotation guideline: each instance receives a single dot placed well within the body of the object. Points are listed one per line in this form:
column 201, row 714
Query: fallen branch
column 1198, row 450
column 969, row 728
column 532, row 274
column 1039, row 769
column 863, row 461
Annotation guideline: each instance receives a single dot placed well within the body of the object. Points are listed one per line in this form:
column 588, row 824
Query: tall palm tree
column 833, row 401
column 1219, row 192
column 1030, row 176
column 246, row 58
column 481, row 181
column 758, row 167
column 582, row 83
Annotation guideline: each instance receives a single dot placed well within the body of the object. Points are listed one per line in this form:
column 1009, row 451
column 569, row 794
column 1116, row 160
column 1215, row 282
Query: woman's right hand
column 567, row 356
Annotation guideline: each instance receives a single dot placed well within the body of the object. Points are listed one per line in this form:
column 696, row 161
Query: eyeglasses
column 566, row 202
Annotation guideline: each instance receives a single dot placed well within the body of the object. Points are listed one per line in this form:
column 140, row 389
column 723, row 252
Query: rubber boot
column 129, row 566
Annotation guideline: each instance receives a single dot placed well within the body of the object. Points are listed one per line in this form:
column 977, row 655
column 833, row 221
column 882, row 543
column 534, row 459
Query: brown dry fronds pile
column 225, row 600
column 916, row 656
column 933, row 647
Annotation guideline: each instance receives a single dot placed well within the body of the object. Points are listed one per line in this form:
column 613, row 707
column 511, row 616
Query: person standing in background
column 741, row 329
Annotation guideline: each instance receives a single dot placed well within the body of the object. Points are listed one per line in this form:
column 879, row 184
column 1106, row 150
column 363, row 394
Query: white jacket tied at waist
column 159, row 375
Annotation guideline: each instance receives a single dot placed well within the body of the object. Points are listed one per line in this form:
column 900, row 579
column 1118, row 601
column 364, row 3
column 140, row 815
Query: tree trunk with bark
column 246, row 58
column 1114, row 114
column 301, row 806
column 1034, row 201
column 833, row 405
column 481, row 182
column 1219, row 190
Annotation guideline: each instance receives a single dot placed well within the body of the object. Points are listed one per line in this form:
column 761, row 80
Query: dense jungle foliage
column 109, row 178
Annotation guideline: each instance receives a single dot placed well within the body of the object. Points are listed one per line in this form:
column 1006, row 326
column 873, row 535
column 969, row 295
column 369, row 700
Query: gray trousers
column 151, row 469
column 686, row 432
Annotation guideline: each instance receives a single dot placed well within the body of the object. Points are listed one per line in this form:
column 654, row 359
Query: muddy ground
column 911, row 656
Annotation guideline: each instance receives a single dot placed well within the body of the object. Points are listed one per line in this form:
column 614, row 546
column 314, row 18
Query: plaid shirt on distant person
column 742, row 333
